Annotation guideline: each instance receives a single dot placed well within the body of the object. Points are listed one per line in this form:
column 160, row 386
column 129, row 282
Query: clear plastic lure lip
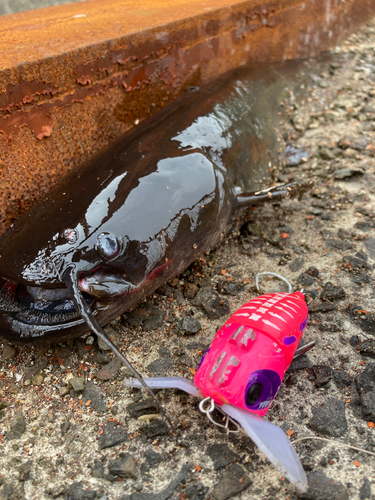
column 269, row 438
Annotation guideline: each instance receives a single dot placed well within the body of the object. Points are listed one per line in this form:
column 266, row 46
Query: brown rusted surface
column 77, row 76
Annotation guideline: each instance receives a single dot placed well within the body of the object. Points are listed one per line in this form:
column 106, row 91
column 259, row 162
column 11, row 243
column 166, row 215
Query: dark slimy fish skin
column 139, row 213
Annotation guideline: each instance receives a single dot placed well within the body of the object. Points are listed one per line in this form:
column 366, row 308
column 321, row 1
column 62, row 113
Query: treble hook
column 211, row 408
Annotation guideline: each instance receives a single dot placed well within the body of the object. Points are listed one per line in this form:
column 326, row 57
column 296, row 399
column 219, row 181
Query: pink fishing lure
column 243, row 369
column 250, row 354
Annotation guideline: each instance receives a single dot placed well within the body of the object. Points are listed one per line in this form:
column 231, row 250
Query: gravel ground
column 70, row 429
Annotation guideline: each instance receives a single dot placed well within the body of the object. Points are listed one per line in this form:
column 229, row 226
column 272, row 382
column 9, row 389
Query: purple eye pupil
column 253, row 394
column 261, row 388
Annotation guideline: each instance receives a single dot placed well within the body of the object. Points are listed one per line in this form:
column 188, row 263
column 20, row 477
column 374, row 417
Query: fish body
column 251, row 353
column 139, row 213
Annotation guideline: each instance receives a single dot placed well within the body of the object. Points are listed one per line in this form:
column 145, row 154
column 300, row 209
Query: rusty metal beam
column 74, row 77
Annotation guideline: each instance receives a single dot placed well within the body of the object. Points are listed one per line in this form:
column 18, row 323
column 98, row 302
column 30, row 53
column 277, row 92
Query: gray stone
column 203, row 297
column 368, row 323
column 332, row 292
column 56, row 490
column 101, row 358
column 178, row 296
column 164, row 351
column 370, row 246
column 296, row 264
column 330, row 419
column 124, row 466
column 301, row 363
column 322, row 307
column 112, row 435
column 77, row 491
column 64, row 427
column 17, row 429
column 323, row 374
column 366, row 348
column 98, row 469
column 157, row 428
column 322, row 487
column 154, row 322
column 77, row 383
column 233, row 481
column 13, row 389
column 365, row 397
column 326, row 154
column 196, row 491
column 110, row 370
column 189, row 325
column 365, row 224
column 160, row 367
column 8, row 352
column 231, row 288
column 295, row 156
column 25, row 470
column 92, row 393
column 342, row 379
column 354, row 263
column 344, row 173
column 221, row 455
column 147, row 406
column 217, row 308
column 64, row 391
column 80, row 346
column 152, row 458
column 35, row 369
column 365, row 490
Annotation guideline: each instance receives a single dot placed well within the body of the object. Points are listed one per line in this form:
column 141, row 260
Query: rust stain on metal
column 77, row 76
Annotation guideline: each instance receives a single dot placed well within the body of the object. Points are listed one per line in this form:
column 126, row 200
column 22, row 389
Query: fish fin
column 167, row 383
column 273, row 442
column 273, row 194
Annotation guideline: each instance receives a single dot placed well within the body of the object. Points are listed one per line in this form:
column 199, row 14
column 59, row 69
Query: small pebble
column 9, row 352
column 77, row 383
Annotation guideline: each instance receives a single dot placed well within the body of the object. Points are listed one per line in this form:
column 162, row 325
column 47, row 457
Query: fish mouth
column 38, row 305
column 35, row 305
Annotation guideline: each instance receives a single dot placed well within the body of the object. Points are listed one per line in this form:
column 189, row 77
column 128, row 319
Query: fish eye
column 107, row 245
column 253, row 394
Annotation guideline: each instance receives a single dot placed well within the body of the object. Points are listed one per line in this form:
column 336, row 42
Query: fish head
column 121, row 238
column 34, row 300
column 59, row 234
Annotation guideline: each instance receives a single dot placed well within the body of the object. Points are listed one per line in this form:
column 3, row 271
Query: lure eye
column 107, row 245
column 253, row 394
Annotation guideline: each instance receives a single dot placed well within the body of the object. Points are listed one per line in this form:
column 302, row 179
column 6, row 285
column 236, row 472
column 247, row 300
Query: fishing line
column 342, row 445
column 70, row 279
